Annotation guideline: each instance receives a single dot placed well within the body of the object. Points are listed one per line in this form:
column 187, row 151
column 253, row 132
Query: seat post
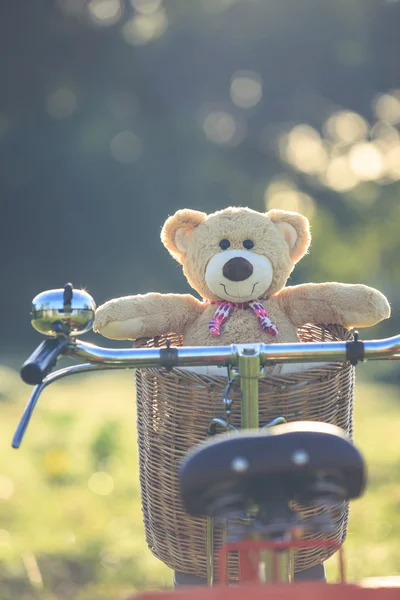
column 249, row 372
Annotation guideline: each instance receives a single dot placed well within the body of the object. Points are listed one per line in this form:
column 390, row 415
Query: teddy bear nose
column 237, row 269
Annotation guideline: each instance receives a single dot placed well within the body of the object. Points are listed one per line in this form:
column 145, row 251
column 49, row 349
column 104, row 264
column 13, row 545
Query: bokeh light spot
column 346, row 126
column 61, row 103
column 366, row 161
column 126, row 147
column 246, row 89
column 282, row 193
column 303, row 148
column 105, row 12
column 6, row 488
column 144, row 28
column 101, row 483
column 384, row 135
column 387, row 108
column 339, row 176
column 222, row 128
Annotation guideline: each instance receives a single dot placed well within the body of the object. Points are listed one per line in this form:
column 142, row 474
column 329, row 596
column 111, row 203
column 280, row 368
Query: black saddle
column 303, row 461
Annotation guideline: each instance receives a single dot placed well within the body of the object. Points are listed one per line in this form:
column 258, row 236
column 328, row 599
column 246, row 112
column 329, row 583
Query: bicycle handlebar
column 190, row 356
column 45, row 356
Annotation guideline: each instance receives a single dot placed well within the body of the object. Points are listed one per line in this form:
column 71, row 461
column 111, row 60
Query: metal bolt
column 249, row 351
column 300, row 457
column 240, row 464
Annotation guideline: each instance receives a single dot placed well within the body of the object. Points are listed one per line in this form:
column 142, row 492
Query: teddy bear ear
column 295, row 228
column 177, row 230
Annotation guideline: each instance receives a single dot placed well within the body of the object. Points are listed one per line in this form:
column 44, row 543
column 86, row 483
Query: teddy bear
column 238, row 260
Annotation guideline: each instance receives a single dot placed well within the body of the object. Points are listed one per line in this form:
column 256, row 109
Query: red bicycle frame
column 249, row 552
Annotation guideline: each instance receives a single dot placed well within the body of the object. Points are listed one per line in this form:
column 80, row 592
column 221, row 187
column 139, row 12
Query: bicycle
column 306, row 462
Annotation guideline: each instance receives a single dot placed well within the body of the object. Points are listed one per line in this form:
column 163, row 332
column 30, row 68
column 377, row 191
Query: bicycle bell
column 66, row 311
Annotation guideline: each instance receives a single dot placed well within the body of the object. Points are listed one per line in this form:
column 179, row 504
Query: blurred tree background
column 115, row 113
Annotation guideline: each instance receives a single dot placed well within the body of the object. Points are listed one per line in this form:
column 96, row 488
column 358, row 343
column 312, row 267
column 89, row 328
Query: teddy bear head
column 236, row 254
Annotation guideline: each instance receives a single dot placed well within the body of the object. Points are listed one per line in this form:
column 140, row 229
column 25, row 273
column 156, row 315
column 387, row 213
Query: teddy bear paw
column 128, row 329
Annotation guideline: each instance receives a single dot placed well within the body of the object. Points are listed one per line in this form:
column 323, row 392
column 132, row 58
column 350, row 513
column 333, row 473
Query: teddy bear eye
column 224, row 244
column 248, row 244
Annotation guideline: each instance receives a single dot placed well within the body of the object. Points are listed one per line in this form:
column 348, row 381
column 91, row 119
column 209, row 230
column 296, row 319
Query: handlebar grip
column 42, row 360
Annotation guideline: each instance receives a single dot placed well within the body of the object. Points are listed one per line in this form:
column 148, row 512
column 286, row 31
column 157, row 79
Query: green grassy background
column 70, row 518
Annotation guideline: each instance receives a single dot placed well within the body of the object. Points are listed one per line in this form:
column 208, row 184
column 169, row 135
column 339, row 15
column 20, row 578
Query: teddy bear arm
column 345, row 304
column 146, row 315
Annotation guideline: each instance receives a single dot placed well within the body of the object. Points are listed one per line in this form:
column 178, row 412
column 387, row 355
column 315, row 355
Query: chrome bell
column 64, row 310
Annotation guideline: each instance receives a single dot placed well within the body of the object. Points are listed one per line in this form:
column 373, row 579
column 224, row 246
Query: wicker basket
column 173, row 412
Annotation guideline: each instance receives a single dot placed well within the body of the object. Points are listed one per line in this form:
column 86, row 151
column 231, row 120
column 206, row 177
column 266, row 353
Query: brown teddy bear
column 238, row 261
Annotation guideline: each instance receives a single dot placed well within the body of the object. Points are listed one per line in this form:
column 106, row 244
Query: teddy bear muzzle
column 238, row 275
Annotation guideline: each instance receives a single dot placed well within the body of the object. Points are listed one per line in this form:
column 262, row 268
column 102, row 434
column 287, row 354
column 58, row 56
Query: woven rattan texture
column 173, row 412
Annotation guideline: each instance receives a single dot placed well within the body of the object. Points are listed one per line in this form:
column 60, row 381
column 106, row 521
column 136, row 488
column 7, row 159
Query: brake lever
column 30, row 407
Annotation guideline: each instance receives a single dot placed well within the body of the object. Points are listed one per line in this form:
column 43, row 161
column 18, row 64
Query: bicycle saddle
column 302, row 461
